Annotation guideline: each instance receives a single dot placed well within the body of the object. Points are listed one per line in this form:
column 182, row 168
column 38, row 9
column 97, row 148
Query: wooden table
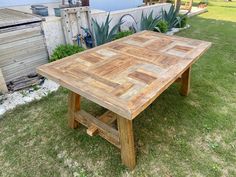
column 124, row 76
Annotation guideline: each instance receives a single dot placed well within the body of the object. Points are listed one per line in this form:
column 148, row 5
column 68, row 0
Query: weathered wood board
column 127, row 75
column 22, row 45
column 10, row 17
column 72, row 19
column 3, row 87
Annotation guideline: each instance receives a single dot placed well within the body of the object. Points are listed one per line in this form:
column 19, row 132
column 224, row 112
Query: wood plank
column 178, row 80
column 23, row 68
column 27, row 61
column 67, row 27
column 185, row 82
column 76, row 9
column 22, row 48
column 99, row 124
column 23, row 82
column 125, row 128
column 22, row 55
column 19, row 27
column 73, row 106
column 3, row 87
column 9, row 17
column 21, row 52
column 115, row 141
column 104, row 130
column 107, row 118
column 71, row 20
column 121, row 89
column 143, row 77
column 20, row 34
column 21, row 43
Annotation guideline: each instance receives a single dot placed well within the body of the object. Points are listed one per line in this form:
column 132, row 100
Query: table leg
column 185, row 82
column 125, row 129
column 73, row 106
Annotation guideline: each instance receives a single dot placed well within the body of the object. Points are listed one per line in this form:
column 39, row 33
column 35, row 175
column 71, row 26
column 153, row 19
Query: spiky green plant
column 172, row 17
column 103, row 33
column 148, row 22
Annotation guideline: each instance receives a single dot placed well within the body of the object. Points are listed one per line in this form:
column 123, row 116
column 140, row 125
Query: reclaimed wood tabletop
column 124, row 76
column 127, row 75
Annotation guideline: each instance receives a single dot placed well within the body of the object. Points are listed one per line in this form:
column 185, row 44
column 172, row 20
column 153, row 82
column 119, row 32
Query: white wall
column 54, row 34
column 135, row 12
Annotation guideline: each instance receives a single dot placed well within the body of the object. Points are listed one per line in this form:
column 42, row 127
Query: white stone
column 11, row 100
column 176, row 30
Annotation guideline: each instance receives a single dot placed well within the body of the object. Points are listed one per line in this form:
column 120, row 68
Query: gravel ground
column 11, row 100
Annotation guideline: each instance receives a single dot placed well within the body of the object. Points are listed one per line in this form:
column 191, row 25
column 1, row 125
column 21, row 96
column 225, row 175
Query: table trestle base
column 101, row 126
column 115, row 129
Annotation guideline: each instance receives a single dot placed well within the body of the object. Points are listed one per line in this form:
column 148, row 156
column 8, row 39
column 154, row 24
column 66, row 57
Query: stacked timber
column 25, row 82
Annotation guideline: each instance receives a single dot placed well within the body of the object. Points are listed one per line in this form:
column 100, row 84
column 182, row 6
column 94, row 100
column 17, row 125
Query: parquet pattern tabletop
column 127, row 75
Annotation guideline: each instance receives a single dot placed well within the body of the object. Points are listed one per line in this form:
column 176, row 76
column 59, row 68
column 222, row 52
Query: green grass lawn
column 175, row 136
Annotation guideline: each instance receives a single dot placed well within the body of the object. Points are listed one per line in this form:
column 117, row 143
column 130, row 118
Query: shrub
column 184, row 20
column 162, row 26
column 62, row 51
column 123, row 34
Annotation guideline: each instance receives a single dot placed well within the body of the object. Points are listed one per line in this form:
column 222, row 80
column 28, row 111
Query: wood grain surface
column 9, row 17
column 127, row 75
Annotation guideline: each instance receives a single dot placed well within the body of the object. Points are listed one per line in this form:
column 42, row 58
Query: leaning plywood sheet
column 127, row 75
column 9, row 17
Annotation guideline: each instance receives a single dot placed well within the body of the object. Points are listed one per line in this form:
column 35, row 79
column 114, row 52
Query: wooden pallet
column 72, row 19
